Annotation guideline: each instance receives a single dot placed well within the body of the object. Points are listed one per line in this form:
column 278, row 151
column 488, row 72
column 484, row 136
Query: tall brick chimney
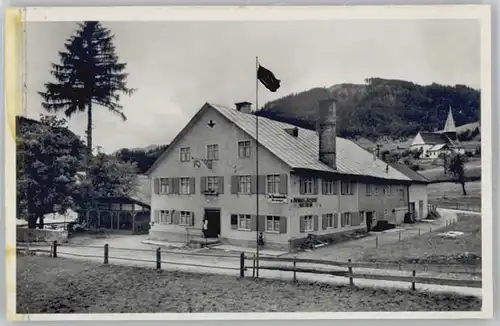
column 245, row 107
column 327, row 132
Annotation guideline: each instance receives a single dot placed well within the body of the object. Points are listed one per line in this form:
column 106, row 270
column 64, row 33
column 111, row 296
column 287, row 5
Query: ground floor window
column 308, row 223
column 244, row 222
column 273, row 223
column 330, row 220
column 345, row 219
column 185, row 218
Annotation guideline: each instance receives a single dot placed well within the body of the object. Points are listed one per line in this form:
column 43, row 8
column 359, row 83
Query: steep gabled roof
column 435, row 138
column 413, row 175
column 299, row 152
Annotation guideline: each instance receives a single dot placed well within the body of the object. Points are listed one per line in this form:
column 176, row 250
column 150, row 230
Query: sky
column 178, row 66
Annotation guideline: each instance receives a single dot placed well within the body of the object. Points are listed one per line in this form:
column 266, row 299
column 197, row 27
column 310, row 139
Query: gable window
column 346, row 187
column 185, row 154
column 273, row 183
column 185, row 186
column 272, row 223
column 244, row 222
column 244, row 184
column 329, row 187
column 369, row 189
column 308, row 223
column 185, row 218
column 244, row 149
column 213, row 152
column 307, row 185
column 164, row 186
column 212, row 184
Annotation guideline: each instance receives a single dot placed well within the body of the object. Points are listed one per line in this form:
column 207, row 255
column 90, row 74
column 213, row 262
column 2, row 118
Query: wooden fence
column 309, row 266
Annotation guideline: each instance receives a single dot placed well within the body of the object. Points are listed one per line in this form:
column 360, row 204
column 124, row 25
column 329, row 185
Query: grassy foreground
column 431, row 248
column 59, row 285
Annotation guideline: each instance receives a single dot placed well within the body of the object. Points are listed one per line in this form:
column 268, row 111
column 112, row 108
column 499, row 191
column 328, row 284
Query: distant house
column 417, row 191
column 432, row 144
column 308, row 183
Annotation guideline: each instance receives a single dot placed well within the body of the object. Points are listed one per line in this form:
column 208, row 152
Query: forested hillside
column 381, row 107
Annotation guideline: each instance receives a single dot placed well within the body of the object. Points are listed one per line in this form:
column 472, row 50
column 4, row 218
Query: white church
column 434, row 143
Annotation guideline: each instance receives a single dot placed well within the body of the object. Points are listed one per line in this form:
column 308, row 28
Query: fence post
column 253, row 266
column 158, row 258
column 376, row 241
column 413, row 280
column 418, row 231
column 54, row 250
column 106, row 253
column 295, row 268
column 399, row 235
column 430, row 229
column 242, row 264
column 351, row 281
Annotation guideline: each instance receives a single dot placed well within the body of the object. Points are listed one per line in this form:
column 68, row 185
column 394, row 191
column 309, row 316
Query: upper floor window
column 185, row 154
column 185, row 186
column 213, row 152
column 347, row 188
column 244, row 184
column 244, row 149
column 369, row 189
column 329, row 187
column 212, row 183
column 164, row 186
column 273, row 183
column 307, row 185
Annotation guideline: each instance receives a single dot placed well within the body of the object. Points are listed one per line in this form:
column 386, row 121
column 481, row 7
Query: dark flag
column 267, row 78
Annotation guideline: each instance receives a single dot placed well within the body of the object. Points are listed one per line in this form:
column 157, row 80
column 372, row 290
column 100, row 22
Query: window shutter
column 156, row 216
column 302, row 185
column 353, row 184
column 253, row 219
column 175, row 185
column 316, row 222
column 262, row 184
column 353, row 219
column 234, row 218
column 192, row 185
column 176, row 217
column 342, row 218
column 234, row 184
column 324, row 221
column 170, row 182
column 315, row 185
column 220, row 185
column 283, row 188
column 253, row 185
column 262, row 223
column 336, row 220
column 323, row 187
column 157, row 185
column 192, row 219
column 302, row 225
column 283, row 224
column 203, row 184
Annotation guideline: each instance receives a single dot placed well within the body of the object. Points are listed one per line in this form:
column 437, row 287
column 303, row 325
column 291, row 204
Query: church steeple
column 449, row 125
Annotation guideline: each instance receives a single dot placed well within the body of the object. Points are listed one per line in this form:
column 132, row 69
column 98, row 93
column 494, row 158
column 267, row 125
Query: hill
column 380, row 108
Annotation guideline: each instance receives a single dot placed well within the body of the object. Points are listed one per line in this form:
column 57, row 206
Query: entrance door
column 213, row 222
column 412, row 209
column 369, row 219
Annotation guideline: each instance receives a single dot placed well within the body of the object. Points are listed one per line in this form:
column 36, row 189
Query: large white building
column 308, row 182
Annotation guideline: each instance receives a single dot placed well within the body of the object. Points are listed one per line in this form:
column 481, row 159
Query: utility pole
column 378, row 150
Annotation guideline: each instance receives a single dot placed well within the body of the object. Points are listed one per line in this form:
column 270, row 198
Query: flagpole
column 257, row 158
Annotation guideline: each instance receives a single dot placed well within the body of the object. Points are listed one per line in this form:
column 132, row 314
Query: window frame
column 274, row 180
column 215, row 183
column 181, row 186
column 248, row 222
column 330, row 186
column 308, row 181
column 183, row 154
column 165, row 217
column 275, row 220
column 164, row 182
column 247, row 151
column 309, row 218
column 214, row 149
column 184, row 215
column 248, row 183
column 369, row 189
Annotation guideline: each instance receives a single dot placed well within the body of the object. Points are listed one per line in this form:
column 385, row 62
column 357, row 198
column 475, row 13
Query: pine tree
column 88, row 75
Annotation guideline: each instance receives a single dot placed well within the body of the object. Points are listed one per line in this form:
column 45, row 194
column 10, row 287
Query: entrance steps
column 203, row 242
